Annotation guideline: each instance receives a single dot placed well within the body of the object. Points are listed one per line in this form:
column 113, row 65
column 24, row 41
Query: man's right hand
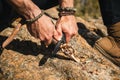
column 43, row 29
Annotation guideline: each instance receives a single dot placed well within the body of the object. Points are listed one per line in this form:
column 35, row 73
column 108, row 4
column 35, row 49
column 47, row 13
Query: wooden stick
column 17, row 25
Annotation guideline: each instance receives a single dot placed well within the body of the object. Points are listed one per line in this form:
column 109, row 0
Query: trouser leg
column 46, row 4
column 5, row 12
column 5, row 8
column 110, row 10
column 1, row 7
column 109, row 46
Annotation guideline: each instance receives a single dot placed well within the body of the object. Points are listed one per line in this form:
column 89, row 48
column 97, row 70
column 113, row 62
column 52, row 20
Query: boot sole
column 104, row 53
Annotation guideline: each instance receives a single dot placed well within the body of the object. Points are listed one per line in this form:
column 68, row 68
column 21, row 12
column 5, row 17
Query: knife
column 58, row 44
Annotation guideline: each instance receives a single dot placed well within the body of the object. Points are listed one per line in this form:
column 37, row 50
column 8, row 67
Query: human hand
column 43, row 29
column 67, row 25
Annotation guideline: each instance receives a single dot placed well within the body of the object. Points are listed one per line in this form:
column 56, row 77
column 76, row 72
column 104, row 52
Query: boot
column 114, row 31
column 110, row 46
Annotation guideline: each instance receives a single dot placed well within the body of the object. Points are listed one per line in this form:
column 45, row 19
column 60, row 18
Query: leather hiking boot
column 114, row 31
column 109, row 48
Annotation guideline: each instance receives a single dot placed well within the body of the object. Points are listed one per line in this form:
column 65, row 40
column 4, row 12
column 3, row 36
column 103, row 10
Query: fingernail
column 59, row 38
column 46, row 46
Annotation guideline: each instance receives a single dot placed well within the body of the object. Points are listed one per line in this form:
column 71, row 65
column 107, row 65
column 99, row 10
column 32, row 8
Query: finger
column 29, row 28
column 55, row 34
column 58, row 33
column 48, row 42
column 32, row 31
column 68, row 37
column 54, row 41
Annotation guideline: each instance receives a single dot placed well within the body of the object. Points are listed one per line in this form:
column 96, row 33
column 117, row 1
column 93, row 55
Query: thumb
column 58, row 33
column 68, row 37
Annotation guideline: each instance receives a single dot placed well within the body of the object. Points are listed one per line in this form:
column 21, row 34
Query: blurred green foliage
column 87, row 8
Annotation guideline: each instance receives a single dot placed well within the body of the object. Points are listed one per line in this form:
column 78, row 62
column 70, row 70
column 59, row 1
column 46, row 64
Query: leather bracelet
column 66, row 9
column 36, row 18
column 60, row 14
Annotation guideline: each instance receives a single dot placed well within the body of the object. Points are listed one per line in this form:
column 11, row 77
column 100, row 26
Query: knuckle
column 48, row 37
column 71, row 33
column 74, row 32
column 42, row 39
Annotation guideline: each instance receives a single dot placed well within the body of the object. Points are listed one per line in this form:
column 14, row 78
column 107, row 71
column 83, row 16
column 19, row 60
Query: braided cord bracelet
column 68, row 9
column 64, row 11
column 36, row 18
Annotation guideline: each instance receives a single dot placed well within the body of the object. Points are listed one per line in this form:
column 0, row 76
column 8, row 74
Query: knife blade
column 58, row 44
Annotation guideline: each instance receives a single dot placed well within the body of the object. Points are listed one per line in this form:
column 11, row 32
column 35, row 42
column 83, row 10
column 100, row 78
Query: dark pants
column 46, row 4
column 110, row 10
column 43, row 4
column 5, row 9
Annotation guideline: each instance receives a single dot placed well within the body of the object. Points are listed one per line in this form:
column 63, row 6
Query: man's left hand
column 68, row 26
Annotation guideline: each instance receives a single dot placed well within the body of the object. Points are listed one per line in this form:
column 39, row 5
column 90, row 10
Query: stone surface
column 26, row 59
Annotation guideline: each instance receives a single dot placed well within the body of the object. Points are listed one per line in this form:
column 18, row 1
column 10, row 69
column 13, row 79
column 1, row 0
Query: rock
column 26, row 59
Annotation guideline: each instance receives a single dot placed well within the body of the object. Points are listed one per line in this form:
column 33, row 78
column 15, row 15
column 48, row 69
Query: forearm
column 66, row 3
column 25, row 7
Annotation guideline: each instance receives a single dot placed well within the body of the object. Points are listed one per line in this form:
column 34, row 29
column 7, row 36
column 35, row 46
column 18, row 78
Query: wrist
column 35, row 18
column 65, row 11
column 31, row 10
column 69, row 16
column 26, row 8
column 66, row 8
column 66, row 3
column 32, row 13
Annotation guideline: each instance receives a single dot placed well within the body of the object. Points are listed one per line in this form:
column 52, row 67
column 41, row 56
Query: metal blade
column 57, row 47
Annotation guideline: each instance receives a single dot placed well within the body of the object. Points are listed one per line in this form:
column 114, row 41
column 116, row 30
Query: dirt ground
column 25, row 58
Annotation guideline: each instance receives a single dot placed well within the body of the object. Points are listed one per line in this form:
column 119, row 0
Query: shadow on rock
column 90, row 36
column 2, row 39
column 30, row 48
column 45, row 58
column 24, row 47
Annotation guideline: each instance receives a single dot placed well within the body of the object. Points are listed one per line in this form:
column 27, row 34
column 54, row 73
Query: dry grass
column 87, row 8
